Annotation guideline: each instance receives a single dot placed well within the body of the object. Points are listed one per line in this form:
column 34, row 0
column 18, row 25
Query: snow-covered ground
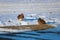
column 4, row 18
column 29, row 19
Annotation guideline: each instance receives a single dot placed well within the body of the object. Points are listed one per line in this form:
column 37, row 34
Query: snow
column 30, row 18
column 1, row 24
column 15, row 23
column 23, row 23
column 32, row 22
column 42, row 17
column 3, row 30
column 57, row 20
column 11, row 20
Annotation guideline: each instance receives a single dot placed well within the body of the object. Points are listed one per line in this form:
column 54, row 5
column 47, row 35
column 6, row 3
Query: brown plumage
column 21, row 16
column 41, row 21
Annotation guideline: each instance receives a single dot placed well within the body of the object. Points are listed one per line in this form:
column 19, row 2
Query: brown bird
column 20, row 17
column 41, row 21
